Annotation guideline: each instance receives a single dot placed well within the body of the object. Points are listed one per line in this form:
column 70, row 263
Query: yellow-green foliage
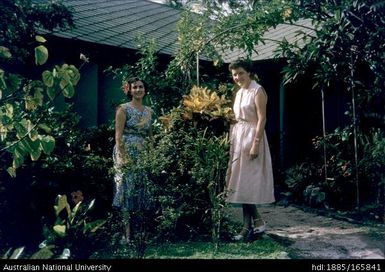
column 207, row 103
column 200, row 105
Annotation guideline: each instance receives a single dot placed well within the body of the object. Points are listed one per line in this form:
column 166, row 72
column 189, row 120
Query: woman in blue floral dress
column 132, row 126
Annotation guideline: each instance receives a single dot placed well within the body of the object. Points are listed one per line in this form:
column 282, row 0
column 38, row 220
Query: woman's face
column 241, row 77
column 137, row 89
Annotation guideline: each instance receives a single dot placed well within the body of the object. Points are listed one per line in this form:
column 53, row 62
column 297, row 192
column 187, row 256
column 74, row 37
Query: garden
column 56, row 178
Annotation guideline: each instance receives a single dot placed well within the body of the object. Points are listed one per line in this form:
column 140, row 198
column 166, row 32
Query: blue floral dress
column 130, row 191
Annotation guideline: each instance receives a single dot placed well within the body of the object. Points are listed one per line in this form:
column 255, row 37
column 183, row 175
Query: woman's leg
column 246, row 224
column 256, row 217
column 247, row 217
column 259, row 225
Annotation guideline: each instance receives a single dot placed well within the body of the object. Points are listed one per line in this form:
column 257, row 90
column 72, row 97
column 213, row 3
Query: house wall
column 110, row 95
column 86, row 97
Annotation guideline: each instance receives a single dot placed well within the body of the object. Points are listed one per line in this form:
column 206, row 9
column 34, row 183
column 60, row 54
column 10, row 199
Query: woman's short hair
column 126, row 84
column 128, row 81
column 246, row 64
column 133, row 80
column 242, row 63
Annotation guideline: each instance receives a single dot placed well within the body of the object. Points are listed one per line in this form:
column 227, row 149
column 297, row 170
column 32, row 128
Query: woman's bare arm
column 260, row 104
column 120, row 119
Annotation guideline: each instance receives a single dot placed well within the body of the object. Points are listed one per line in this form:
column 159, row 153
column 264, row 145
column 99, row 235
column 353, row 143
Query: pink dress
column 248, row 181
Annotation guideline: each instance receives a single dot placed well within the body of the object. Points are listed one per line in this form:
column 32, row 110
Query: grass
column 263, row 248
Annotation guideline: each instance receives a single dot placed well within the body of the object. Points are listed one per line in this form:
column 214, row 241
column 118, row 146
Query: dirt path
column 311, row 236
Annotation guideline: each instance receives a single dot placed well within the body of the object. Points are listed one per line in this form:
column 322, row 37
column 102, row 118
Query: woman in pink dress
column 250, row 176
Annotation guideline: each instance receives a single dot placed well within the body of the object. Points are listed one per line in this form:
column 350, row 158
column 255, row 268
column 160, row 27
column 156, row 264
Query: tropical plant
column 24, row 101
column 81, row 160
column 22, row 108
column 207, row 104
column 203, row 108
column 74, row 231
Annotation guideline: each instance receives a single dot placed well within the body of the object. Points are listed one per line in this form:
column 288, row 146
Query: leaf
column 3, row 132
column 18, row 160
column 61, row 203
column 60, row 230
column 91, row 205
column 51, row 93
column 41, row 39
column 30, row 103
column 93, row 226
column 25, row 145
column 44, row 127
column 48, row 78
column 68, row 90
column 9, row 110
column 38, row 96
column 17, row 253
column 73, row 74
column 3, row 85
column 41, row 55
column 12, row 171
column 21, row 128
column 35, row 154
column 75, row 210
column 5, row 53
column 48, row 144
column 34, row 135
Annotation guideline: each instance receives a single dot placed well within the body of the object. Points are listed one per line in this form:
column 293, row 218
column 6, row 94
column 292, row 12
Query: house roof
column 292, row 33
column 119, row 22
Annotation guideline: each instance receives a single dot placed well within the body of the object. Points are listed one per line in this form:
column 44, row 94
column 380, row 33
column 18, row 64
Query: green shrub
column 307, row 184
column 184, row 167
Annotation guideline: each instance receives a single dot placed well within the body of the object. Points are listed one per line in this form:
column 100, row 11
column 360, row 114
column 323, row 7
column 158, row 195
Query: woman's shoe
column 260, row 229
column 242, row 235
column 238, row 237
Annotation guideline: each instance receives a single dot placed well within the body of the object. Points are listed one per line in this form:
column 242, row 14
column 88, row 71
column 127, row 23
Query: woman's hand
column 121, row 159
column 254, row 151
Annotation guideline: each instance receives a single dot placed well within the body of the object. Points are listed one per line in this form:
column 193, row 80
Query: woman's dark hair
column 126, row 83
column 134, row 79
column 245, row 64
column 242, row 63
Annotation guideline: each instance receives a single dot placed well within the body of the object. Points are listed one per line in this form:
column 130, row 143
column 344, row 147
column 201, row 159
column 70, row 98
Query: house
column 106, row 31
